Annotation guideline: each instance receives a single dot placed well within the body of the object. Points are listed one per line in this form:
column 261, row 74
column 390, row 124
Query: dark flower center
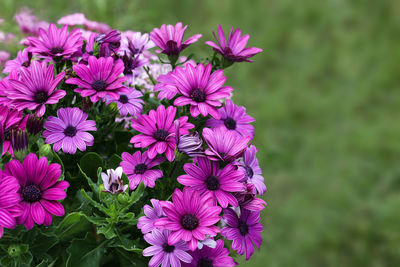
column 161, row 135
column 40, row 97
column 114, row 187
column 249, row 171
column 7, row 135
column 140, row 168
column 205, row 262
column 167, row 248
column 99, row 85
column 123, row 99
column 56, row 50
column 230, row 123
column 212, row 183
column 31, row 193
column 70, row 131
column 243, row 228
column 198, row 95
column 189, row 222
column 26, row 64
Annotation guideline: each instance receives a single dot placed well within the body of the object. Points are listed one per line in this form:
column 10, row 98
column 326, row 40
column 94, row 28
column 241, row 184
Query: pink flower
column 9, row 201
column 146, row 223
column 23, row 59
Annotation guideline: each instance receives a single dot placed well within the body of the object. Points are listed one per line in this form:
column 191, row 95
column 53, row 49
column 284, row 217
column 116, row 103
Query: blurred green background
column 326, row 96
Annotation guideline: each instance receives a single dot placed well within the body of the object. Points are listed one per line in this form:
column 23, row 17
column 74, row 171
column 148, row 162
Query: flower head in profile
column 69, row 130
column 109, row 43
column 247, row 199
column 128, row 103
column 23, row 59
column 244, row 231
column 139, row 167
column 10, row 119
column 164, row 253
column 112, row 181
column 217, row 184
column 100, row 78
column 73, row 19
column 28, row 23
column 9, row 201
column 158, row 131
column 40, row 189
column 146, row 223
column 235, row 50
column 216, row 257
column 233, row 118
column 189, row 217
column 56, row 43
column 169, row 39
column 36, row 88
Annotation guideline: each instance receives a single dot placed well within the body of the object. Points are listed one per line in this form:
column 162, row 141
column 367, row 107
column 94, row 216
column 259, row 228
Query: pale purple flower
column 250, row 167
column 23, row 59
column 28, row 23
column 112, row 181
column 146, row 223
column 247, row 199
column 73, row 19
column 128, row 104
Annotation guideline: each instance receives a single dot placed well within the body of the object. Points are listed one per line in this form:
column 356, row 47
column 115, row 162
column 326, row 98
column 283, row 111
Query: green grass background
column 326, row 96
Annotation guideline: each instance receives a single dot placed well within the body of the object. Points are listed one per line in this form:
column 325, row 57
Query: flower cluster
column 127, row 125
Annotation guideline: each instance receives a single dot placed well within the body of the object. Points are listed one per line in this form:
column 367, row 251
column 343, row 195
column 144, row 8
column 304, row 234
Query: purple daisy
column 215, row 257
column 40, row 189
column 235, row 50
column 23, row 59
column 190, row 217
column 249, row 166
column 139, row 167
column 244, row 231
column 56, row 43
column 100, row 78
column 158, row 131
column 233, row 118
column 247, row 199
column 9, row 202
column 223, row 144
column 35, row 88
column 128, row 104
column 163, row 253
column 109, row 43
column 200, row 89
column 169, row 39
column 146, row 223
column 10, row 119
column 207, row 178
column 69, row 130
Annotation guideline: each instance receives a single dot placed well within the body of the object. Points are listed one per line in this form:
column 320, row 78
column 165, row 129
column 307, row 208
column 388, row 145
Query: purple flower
column 223, row 144
column 9, row 201
column 112, row 181
column 128, row 104
column 169, row 39
column 233, row 118
column 73, row 19
column 139, row 167
column 249, row 166
column 10, row 119
column 247, row 199
column 69, row 130
column 35, row 88
column 23, row 59
column 146, row 223
column 109, row 43
column 158, row 131
column 216, row 257
column 28, row 23
column 190, row 217
column 163, row 253
column 235, row 50
column 207, row 178
column 40, row 189
column 56, row 43
column 244, row 231
column 99, row 79
column 190, row 144
column 135, row 42
column 34, row 125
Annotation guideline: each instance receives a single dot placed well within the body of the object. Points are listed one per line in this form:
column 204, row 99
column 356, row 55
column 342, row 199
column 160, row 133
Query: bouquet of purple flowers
column 113, row 152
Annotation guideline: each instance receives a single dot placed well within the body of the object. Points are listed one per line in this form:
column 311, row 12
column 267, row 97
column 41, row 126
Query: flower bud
column 112, row 181
column 34, row 125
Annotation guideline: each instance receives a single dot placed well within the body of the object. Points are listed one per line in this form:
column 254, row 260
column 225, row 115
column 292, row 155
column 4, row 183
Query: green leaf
column 127, row 244
column 92, row 185
column 85, row 252
column 94, row 203
column 137, row 194
column 107, row 231
column 90, row 162
column 115, row 160
column 57, row 159
column 72, row 224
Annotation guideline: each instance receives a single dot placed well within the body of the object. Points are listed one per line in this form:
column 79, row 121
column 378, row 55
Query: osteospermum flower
column 247, row 199
column 9, row 202
column 23, row 59
column 10, row 119
column 36, row 88
column 128, row 104
column 112, row 181
column 235, row 50
column 100, row 78
column 189, row 217
column 69, row 130
column 207, row 178
column 233, row 118
column 250, row 167
column 169, row 39
column 158, row 131
column 146, row 223
column 56, row 43
column 40, row 189
column 244, row 231
column 215, row 257
column 223, row 144
column 139, row 167
column 163, row 253
column 200, row 89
